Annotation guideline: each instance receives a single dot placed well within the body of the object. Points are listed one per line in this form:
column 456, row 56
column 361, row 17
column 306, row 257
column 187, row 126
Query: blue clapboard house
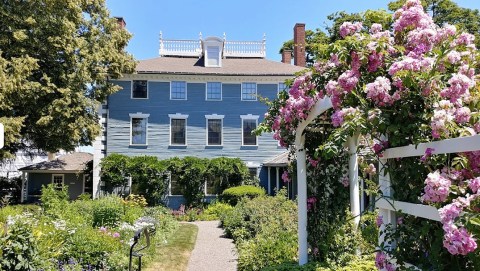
column 198, row 98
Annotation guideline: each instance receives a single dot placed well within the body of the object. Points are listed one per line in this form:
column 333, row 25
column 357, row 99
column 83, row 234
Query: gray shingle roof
column 69, row 162
column 230, row 66
column 280, row 160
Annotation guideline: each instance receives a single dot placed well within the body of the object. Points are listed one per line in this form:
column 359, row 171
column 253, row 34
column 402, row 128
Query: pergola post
column 352, row 142
column 320, row 106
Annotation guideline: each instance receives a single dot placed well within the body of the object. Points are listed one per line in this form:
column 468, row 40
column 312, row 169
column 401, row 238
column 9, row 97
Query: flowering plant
column 414, row 84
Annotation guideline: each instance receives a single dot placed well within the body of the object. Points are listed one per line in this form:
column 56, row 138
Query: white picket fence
column 388, row 207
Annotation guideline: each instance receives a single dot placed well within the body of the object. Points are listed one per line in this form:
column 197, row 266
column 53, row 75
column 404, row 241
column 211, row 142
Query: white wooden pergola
column 320, row 106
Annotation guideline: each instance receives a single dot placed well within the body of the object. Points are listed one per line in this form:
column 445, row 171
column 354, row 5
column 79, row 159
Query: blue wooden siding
column 36, row 180
column 159, row 106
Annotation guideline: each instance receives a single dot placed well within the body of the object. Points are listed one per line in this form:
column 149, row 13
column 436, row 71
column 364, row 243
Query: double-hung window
column 178, row 129
column 138, row 128
column 175, row 187
column 57, row 180
column 249, row 91
column 214, row 91
column 214, row 129
column 178, row 90
column 139, row 89
column 249, row 123
column 87, row 184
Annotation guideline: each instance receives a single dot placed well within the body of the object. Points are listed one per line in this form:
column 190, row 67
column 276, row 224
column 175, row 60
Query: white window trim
column 205, row 190
column 249, row 117
column 131, row 91
column 256, row 92
column 56, row 175
column 186, row 90
column 139, row 115
column 278, row 87
column 84, row 180
column 221, row 92
column 209, row 117
column 170, row 187
column 178, row 116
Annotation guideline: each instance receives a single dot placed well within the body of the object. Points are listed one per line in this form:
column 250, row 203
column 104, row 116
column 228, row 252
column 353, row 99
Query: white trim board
column 453, row 145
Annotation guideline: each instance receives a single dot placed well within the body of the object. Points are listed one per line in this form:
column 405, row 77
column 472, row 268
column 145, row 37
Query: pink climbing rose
column 459, row 241
column 348, row 28
column 436, row 188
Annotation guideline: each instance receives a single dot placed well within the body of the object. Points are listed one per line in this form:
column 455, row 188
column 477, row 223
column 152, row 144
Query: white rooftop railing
column 244, row 48
column 180, row 48
column 193, row 48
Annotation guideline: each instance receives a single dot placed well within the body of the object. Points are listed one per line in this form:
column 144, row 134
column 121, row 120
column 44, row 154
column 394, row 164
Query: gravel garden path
column 212, row 251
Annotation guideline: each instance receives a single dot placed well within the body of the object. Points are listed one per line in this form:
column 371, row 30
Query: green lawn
column 175, row 254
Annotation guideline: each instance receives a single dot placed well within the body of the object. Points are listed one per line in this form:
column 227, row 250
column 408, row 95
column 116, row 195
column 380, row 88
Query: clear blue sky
column 239, row 19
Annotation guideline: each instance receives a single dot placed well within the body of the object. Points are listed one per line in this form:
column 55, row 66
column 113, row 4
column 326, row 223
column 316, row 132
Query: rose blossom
column 436, row 188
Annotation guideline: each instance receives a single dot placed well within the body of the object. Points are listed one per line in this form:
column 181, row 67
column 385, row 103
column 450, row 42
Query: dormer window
column 213, row 56
column 212, row 51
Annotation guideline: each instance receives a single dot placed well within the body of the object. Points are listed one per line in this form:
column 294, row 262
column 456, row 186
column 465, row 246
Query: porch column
column 23, row 189
column 278, row 178
column 268, row 184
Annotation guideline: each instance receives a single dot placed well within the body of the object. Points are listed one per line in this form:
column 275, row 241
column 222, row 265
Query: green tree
column 314, row 39
column 317, row 41
column 442, row 11
column 55, row 61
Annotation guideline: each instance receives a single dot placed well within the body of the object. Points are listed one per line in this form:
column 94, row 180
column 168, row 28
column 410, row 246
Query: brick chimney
column 121, row 22
column 287, row 56
column 299, row 45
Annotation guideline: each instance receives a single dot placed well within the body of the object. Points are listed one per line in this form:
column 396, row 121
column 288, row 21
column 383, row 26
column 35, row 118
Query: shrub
column 271, row 246
column 358, row 264
column 10, row 190
column 91, row 245
column 226, row 172
column 369, row 231
column 114, row 171
column 215, row 210
column 17, row 246
column 192, row 180
column 54, row 198
column 85, row 196
column 233, row 195
column 107, row 211
column 150, row 177
column 264, row 230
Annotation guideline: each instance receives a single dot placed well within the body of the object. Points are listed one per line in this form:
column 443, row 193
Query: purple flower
column 379, row 221
column 286, row 177
column 428, row 153
column 380, row 259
